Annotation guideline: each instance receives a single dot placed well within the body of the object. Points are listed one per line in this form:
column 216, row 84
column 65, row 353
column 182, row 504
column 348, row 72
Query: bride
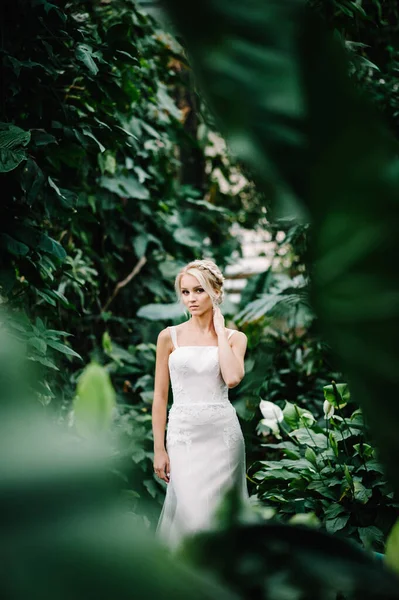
column 205, row 451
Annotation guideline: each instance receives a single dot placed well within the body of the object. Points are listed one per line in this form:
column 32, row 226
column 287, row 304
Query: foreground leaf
column 94, row 402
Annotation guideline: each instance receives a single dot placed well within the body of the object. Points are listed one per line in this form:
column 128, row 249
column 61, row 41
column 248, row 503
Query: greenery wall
column 108, row 188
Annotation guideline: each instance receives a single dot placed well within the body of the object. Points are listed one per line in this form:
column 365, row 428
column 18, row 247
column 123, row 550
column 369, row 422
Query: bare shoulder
column 239, row 337
column 164, row 338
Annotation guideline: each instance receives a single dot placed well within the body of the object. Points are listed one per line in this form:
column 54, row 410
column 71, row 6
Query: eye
column 185, row 292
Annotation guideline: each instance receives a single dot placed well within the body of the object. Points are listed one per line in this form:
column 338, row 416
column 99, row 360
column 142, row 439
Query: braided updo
column 208, row 274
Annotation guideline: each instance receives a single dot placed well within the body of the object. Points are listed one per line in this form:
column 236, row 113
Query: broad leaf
column 84, row 53
column 156, row 312
column 392, row 548
column 125, row 186
column 12, row 143
column 14, row 247
column 38, row 344
column 49, row 245
column 94, row 401
column 187, row 236
column 63, row 348
column 337, row 523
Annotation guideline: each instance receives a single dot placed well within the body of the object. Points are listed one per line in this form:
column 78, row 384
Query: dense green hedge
column 94, row 220
column 107, row 189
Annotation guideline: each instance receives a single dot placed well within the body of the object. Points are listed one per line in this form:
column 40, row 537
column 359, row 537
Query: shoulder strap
column 172, row 331
column 231, row 333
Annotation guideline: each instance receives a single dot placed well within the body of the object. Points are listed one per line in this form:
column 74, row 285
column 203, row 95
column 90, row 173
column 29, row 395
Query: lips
column 193, row 306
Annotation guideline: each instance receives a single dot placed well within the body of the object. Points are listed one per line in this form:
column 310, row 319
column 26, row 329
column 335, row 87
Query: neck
column 203, row 323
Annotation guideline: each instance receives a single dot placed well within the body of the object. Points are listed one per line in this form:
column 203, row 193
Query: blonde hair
column 208, row 274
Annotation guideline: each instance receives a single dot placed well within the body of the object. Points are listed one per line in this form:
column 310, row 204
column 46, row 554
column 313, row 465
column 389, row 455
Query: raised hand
column 218, row 321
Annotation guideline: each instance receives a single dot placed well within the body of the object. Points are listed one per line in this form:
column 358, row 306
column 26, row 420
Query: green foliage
column 154, row 312
column 91, row 529
column 62, row 511
column 100, row 179
column 344, row 171
column 301, row 366
column 94, row 401
column 286, row 299
column 100, row 214
column 289, row 562
column 367, row 30
column 100, row 206
column 41, row 345
column 330, row 470
column 12, row 142
column 132, row 371
column 287, row 108
column 337, row 394
column 290, row 360
column 392, row 549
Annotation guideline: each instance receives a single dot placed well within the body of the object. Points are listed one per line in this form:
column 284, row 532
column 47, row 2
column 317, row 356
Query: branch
column 124, row 282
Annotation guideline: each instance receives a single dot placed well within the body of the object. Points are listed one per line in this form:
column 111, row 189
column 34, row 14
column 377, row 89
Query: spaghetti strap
column 231, row 333
column 172, row 331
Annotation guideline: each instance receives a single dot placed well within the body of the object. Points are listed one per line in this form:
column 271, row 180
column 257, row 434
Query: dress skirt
column 206, row 450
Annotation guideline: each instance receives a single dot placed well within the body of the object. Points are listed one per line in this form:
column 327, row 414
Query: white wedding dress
column 204, row 442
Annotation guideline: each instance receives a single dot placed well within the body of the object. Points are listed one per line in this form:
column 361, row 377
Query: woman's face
column 195, row 298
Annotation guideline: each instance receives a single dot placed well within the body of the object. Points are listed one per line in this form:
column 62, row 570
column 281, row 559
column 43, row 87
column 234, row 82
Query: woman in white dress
column 205, row 452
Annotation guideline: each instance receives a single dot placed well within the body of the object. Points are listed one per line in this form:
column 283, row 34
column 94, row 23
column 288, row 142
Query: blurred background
column 116, row 171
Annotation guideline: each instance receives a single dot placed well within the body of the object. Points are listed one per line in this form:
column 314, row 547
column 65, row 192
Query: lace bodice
column 195, row 374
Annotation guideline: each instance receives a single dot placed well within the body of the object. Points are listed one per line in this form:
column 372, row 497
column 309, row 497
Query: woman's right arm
column 160, row 403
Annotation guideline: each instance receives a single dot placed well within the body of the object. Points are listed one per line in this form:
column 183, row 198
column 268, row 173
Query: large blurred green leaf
column 94, row 401
column 156, row 312
column 392, row 549
column 246, row 58
column 63, row 520
column 297, row 562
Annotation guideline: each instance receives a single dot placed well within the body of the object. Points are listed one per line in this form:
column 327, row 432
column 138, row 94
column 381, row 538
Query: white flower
column 307, row 418
column 272, row 425
column 328, row 409
column 272, row 414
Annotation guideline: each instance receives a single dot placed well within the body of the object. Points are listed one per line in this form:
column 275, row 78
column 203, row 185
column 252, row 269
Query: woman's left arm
column 231, row 357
